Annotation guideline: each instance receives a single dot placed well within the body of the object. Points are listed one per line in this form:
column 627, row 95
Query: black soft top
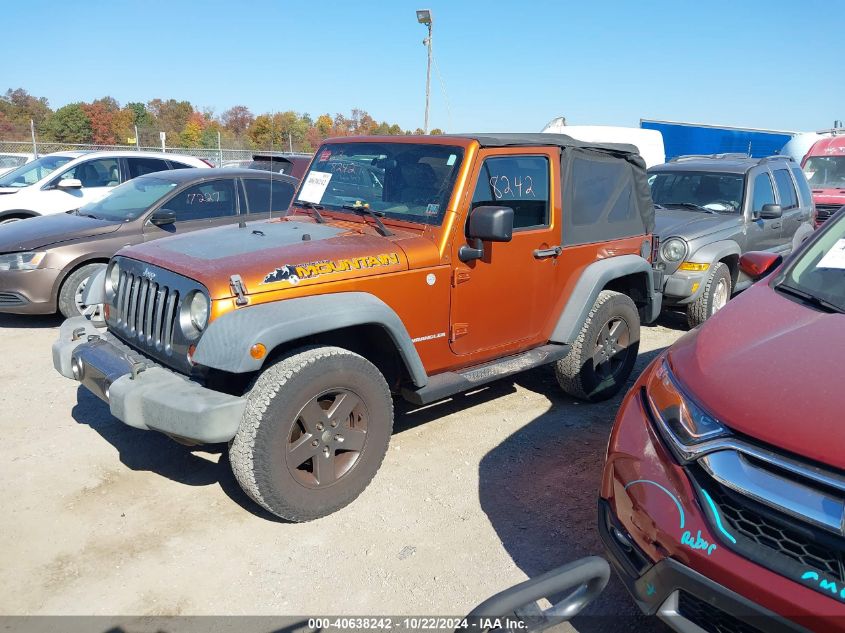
column 546, row 139
column 605, row 185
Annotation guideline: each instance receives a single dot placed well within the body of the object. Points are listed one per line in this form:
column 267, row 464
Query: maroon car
column 723, row 494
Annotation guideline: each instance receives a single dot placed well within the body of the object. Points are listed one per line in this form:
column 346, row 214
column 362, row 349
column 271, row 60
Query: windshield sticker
column 451, row 160
column 293, row 274
column 325, row 155
column 314, row 186
column 432, row 209
column 835, row 257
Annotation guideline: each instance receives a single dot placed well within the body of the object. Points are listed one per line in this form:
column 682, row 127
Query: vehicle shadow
column 673, row 320
column 37, row 321
column 539, row 489
column 149, row 451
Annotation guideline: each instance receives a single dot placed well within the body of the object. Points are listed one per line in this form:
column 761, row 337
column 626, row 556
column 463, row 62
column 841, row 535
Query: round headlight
column 198, row 310
column 673, row 250
column 113, row 278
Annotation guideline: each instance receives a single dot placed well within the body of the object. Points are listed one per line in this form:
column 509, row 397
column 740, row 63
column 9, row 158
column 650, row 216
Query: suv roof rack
column 725, row 156
column 775, row 157
column 834, row 131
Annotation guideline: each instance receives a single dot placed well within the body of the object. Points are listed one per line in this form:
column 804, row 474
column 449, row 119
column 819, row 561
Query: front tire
column 717, row 292
column 602, row 357
column 315, row 431
column 70, row 294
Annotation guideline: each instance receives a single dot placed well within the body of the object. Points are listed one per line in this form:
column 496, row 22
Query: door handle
column 776, row 225
column 552, row 251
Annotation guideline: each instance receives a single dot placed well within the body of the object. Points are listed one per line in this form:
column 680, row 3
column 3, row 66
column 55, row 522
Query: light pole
column 424, row 17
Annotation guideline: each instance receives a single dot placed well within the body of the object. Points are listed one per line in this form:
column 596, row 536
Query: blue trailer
column 682, row 139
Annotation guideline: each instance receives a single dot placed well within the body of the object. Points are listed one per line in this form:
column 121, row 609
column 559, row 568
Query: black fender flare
column 226, row 343
column 592, row 281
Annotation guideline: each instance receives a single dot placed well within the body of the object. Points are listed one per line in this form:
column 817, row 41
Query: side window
column 266, row 197
column 763, row 192
column 803, row 187
column 209, row 200
column 786, row 190
column 175, row 165
column 519, row 182
column 102, row 172
column 141, row 166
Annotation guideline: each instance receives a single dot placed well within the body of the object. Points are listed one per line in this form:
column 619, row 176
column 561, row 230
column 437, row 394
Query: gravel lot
column 476, row 494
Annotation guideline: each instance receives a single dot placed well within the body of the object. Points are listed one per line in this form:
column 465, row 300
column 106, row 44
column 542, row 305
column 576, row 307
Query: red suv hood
column 772, row 369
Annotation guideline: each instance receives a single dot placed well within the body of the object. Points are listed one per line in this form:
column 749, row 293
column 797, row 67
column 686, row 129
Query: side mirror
column 487, row 224
column 771, row 211
column 163, row 217
column 757, row 264
column 69, row 183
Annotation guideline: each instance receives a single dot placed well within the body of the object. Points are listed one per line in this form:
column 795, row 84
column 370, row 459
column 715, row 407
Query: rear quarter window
column 786, row 190
column 803, row 187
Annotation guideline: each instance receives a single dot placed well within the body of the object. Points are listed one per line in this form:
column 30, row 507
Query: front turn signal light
column 693, row 267
column 257, row 351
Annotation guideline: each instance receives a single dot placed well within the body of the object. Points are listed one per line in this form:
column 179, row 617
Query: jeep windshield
column 129, row 200
column 31, row 173
column 825, row 171
column 402, row 181
column 706, row 191
column 818, row 275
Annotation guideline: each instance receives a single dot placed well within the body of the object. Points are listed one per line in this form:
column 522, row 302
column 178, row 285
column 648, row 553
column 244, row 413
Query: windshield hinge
column 238, row 289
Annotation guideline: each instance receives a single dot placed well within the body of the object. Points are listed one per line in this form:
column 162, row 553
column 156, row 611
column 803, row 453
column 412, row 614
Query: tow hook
column 238, row 288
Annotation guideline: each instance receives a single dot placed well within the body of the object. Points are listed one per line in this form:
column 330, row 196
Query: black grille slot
column 9, row 299
column 147, row 312
column 825, row 211
column 710, row 618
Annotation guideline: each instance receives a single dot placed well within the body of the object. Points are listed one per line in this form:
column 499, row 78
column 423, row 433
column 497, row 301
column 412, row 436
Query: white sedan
column 64, row 181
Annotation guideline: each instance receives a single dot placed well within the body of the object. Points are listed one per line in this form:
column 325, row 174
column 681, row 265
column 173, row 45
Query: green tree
column 436, row 131
column 142, row 117
column 69, row 124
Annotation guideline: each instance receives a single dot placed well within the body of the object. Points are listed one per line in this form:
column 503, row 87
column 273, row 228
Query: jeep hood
column 275, row 255
column 49, row 230
column 771, row 369
column 689, row 224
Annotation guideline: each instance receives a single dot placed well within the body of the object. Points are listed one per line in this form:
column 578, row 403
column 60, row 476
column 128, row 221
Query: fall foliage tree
column 104, row 122
column 237, row 119
column 69, row 124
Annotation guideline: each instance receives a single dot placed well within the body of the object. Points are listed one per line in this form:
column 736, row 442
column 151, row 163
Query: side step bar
column 449, row 383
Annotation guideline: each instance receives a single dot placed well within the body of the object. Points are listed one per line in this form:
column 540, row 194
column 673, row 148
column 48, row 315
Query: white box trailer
column 648, row 142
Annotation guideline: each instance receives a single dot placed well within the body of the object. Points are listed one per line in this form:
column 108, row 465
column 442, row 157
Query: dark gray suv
column 711, row 209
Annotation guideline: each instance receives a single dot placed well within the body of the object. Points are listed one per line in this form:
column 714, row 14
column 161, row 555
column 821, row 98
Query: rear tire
column 290, row 455
column 602, row 357
column 717, row 292
column 70, row 293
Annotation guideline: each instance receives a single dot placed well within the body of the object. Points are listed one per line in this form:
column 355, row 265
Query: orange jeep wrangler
column 414, row 265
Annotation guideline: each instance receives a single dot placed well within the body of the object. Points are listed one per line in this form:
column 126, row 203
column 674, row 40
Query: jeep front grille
column 144, row 312
column 148, row 312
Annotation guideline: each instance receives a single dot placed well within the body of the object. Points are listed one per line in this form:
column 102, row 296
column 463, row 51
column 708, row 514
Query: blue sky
column 506, row 66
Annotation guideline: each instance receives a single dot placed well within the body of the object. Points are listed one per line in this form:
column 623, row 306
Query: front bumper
column 650, row 517
column 681, row 287
column 141, row 393
column 28, row 291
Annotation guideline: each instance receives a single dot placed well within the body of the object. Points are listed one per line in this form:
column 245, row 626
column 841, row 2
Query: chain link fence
column 217, row 157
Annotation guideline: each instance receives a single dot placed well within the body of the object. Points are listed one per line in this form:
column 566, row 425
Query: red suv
column 723, row 493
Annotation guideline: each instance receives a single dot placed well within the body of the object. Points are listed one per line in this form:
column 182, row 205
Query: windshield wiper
column 87, row 215
column 364, row 208
column 689, row 205
column 827, row 306
column 312, row 207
